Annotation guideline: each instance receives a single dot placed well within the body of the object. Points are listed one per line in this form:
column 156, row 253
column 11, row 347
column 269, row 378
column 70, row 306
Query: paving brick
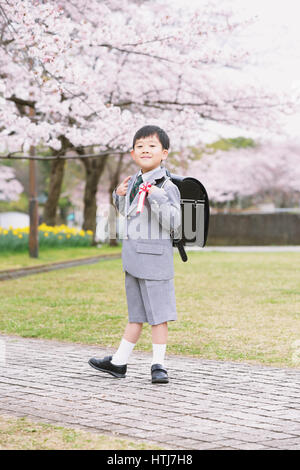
column 283, row 443
column 240, row 445
column 206, row 405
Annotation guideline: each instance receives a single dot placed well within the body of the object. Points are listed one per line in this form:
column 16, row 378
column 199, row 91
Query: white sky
column 273, row 42
column 275, row 36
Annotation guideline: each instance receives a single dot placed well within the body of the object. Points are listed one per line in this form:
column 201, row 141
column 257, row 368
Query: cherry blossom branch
column 11, row 156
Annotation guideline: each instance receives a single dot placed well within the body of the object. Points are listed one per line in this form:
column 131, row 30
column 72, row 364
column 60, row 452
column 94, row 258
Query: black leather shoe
column 159, row 374
column 105, row 365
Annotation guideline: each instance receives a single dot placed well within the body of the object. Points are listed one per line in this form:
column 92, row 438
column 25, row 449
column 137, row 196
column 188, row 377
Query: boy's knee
column 134, row 326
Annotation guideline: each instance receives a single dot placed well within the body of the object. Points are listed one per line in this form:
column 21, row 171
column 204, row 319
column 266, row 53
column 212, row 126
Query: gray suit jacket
column 147, row 249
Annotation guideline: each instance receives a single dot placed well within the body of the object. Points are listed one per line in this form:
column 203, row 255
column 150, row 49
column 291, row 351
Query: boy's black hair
column 147, row 131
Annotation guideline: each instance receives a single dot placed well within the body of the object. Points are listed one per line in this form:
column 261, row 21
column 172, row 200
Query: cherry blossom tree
column 10, row 187
column 83, row 79
column 267, row 171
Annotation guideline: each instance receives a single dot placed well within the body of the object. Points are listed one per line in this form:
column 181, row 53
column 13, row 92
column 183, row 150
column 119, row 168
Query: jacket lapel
column 156, row 175
column 129, row 206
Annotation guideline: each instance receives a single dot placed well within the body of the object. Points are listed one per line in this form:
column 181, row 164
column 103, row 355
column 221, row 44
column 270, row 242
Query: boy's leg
column 133, row 331
column 131, row 335
column 159, row 342
column 117, row 364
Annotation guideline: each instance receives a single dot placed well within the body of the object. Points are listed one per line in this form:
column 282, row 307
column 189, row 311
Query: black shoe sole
column 115, row 374
column 160, row 381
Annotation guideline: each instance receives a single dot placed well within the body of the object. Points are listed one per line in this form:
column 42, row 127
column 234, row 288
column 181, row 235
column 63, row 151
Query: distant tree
column 267, row 171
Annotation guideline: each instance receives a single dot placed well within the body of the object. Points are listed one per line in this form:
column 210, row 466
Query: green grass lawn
column 231, row 306
column 52, row 255
column 25, row 434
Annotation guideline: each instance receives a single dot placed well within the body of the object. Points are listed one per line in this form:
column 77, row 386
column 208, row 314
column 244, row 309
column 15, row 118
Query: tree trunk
column 114, row 181
column 56, row 179
column 94, row 168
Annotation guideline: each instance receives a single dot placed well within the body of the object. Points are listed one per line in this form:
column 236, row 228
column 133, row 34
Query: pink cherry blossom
column 10, row 187
column 268, row 169
column 95, row 74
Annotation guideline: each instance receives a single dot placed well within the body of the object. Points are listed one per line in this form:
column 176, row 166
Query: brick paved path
column 207, row 404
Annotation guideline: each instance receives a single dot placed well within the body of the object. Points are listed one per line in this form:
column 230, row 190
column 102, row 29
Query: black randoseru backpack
column 194, row 211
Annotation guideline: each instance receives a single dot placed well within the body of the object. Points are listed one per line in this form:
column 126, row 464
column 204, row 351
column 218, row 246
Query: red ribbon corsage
column 143, row 191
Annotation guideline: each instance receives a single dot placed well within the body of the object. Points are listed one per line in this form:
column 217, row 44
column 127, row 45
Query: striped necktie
column 135, row 188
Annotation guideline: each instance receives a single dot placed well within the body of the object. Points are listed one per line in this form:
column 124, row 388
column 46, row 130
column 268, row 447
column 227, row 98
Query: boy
column 147, row 253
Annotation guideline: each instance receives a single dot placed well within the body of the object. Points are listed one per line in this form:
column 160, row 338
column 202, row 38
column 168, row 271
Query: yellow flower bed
column 15, row 239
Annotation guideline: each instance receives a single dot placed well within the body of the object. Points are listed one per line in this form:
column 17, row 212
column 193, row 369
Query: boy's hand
column 122, row 188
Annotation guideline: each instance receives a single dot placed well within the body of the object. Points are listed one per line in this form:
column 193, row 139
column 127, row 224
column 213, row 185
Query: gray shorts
column 150, row 301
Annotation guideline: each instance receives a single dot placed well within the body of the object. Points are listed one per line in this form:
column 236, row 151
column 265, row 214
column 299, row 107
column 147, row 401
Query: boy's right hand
column 122, row 188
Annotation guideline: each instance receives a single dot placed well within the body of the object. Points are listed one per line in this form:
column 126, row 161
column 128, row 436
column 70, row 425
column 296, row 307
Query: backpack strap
column 162, row 181
column 181, row 249
column 178, row 243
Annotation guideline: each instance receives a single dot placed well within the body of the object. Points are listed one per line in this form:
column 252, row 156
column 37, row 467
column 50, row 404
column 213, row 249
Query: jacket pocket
column 151, row 249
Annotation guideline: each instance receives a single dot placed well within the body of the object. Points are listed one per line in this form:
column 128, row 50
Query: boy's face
column 148, row 153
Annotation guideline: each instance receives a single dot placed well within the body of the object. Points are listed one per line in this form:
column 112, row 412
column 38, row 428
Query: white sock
column 159, row 351
column 121, row 356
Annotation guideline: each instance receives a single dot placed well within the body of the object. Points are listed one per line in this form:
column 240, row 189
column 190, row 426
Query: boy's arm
column 165, row 205
column 119, row 199
column 119, row 202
